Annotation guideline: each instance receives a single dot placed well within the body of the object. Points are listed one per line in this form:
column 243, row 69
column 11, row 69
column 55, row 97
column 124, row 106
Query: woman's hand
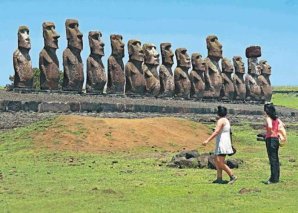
column 205, row 142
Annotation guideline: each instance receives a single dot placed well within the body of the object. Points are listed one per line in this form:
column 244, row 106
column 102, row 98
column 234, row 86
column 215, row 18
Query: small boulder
column 234, row 163
column 211, row 162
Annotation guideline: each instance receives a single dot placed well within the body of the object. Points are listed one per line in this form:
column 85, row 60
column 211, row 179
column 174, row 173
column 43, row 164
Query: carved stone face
column 182, row 57
column 238, row 64
column 214, row 47
column 167, row 53
column 50, row 35
column 198, row 62
column 227, row 65
column 96, row 44
column 73, row 34
column 135, row 51
column 151, row 55
column 23, row 37
column 253, row 66
column 117, row 45
column 265, row 68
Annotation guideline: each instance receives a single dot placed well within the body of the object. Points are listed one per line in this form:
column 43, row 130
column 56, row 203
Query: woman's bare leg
column 223, row 166
column 218, row 167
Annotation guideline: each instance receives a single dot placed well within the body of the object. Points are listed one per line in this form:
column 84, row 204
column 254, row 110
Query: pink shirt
column 272, row 128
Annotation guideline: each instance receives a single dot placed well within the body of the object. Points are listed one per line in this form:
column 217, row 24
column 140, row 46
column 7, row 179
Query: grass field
column 285, row 88
column 286, row 99
column 39, row 180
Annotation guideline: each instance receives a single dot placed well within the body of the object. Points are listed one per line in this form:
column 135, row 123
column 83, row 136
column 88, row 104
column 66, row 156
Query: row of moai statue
column 140, row 76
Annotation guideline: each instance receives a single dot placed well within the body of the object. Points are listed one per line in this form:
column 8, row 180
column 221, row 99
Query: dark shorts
column 222, row 155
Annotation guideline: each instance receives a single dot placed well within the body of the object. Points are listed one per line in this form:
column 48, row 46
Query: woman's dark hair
column 270, row 111
column 221, row 111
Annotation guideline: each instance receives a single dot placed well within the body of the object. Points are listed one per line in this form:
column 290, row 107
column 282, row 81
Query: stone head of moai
column 95, row 43
column 151, row 55
column 214, row 47
column 238, row 64
column 135, row 50
column 226, row 65
column 73, row 34
column 198, row 63
column 253, row 66
column 23, row 38
column 117, row 45
column 50, row 35
column 167, row 54
column 252, row 53
column 182, row 58
column 265, row 67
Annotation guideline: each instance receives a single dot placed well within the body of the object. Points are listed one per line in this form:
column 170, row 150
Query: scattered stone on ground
column 292, row 159
column 247, row 190
column 192, row 159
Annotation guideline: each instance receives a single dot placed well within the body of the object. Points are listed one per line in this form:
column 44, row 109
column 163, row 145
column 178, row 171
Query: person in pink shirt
column 273, row 125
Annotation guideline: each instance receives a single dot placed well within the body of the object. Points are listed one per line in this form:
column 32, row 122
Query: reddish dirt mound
column 81, row 133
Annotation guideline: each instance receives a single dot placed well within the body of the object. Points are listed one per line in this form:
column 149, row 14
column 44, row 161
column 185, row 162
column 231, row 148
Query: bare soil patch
column 91, row 134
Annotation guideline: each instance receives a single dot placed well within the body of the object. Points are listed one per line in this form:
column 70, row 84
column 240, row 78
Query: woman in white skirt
column 223, row 145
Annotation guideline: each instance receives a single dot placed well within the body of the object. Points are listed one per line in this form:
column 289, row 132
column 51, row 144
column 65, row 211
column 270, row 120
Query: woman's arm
column 219, row 126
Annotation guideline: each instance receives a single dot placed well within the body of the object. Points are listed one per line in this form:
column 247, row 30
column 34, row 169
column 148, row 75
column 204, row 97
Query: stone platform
column 12, row 101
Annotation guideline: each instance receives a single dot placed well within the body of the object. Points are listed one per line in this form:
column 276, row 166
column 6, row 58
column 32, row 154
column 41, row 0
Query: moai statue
column 238, row 78
column 228, row 90
column 23, row 77
column 116, row 75
column 167, row 85
column 197, row 76
column 151, row 62
column 135, row 81
column 96, row 76
column 214, row 85
column 48, row 60
column 72, row 62
column 264, row 81
column 253, row 90
column 182, row 82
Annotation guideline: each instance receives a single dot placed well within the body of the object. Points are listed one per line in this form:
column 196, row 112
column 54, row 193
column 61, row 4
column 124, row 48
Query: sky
column 272, row 24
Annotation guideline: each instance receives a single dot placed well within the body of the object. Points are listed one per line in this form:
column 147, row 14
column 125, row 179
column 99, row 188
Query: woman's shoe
column 268, row 182
column 233, row 179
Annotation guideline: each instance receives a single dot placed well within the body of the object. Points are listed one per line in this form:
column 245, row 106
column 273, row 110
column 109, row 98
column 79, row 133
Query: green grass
column 285, row 88
column 289, row 100
column 286, row 100
column 43, row 181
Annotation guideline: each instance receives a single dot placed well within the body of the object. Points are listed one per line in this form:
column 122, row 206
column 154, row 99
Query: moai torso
column 72, row 62
column 96, row 76
column 48, row 60
column 151, row 62
column 197, row 76
column 23, row 77
column 167, row 85
column 253, row 90
column 238, row 79
column 135, row 81
column 228, row 90
column 264, row 81
column 214, row 78
column 181, row 78
column 116, row 75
